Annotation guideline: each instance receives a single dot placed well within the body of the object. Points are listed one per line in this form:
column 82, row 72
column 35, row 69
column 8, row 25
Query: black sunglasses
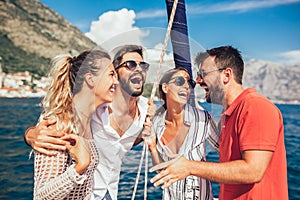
column 180, row 81
column 131, row 65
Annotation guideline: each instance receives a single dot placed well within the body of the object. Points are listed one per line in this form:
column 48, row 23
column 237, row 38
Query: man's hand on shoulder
column 44, row 138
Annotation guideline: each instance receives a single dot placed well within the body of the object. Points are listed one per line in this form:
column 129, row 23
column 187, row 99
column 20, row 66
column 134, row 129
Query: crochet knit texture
column 56, row 178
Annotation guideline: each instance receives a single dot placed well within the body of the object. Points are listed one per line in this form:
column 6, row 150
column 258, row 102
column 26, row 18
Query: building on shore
column 21, row 84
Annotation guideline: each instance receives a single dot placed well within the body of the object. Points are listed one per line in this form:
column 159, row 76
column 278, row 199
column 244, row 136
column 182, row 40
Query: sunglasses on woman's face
column 180, row 81
column 131, row 65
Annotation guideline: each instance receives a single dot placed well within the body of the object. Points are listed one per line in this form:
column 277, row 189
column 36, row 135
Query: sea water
column 16, row 169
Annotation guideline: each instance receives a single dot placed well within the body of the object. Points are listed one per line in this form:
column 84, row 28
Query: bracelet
column 32, row 127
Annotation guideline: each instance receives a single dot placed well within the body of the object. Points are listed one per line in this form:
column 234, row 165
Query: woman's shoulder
column 199, row 113
column 200, row 110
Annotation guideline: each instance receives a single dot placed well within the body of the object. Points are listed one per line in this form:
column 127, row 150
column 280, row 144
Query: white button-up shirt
column 112, row 148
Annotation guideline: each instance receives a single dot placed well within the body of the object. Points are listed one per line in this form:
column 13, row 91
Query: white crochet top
column 56, row 178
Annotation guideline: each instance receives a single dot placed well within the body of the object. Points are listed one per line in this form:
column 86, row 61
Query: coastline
column 42, row 93
column 13, row 93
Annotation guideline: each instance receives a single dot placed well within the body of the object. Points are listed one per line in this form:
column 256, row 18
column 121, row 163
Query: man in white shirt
column 116, row 127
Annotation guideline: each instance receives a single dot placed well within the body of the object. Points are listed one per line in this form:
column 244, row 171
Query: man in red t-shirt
column 252, row 152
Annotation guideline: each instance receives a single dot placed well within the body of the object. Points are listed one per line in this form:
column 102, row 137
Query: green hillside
column 14, row 59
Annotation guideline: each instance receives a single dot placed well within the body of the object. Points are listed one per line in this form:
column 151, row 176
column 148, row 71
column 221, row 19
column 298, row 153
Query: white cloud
column 290, row 57
column 154, row 54
column 225, row 6
column 115, row 27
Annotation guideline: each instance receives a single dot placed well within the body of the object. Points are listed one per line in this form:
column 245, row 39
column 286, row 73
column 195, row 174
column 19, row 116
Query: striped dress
column 201, row 130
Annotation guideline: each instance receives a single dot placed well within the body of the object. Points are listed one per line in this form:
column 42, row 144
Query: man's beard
column 216, row 94
column 125, row 85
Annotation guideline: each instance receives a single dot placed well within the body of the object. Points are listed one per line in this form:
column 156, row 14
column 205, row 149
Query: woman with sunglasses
column 180, row 129
column 79, row 86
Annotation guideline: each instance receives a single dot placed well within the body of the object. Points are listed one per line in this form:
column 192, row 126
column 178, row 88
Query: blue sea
column 16, row 169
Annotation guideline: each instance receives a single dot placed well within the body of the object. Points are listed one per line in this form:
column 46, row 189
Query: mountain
column 31, row 34
column 278, row 82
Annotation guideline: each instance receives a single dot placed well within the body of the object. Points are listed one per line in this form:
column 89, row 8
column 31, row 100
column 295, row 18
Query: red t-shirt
column 252, row 122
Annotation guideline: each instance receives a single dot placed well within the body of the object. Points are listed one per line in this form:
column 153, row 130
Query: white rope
column 164, row 48
column 146, row 171
column 138, row 174
column 145, row 146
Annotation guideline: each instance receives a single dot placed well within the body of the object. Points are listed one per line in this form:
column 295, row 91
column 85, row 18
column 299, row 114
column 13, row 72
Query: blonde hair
column 65, row 72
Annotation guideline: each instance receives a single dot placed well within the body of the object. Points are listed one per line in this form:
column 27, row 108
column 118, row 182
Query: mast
column 180, row 39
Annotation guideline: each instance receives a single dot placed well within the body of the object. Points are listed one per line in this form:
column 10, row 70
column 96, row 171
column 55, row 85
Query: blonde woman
column 79, row 86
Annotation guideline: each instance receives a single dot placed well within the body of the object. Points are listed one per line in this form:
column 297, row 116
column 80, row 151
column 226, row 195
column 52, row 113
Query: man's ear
column 228, row 75
column 89, row 79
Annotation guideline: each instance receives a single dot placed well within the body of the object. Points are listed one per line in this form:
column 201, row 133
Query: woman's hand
column 147, row 134
column 151, row 110
column 79, row 150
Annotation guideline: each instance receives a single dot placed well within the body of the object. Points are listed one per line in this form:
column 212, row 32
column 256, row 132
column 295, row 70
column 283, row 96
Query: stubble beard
column 216, row 94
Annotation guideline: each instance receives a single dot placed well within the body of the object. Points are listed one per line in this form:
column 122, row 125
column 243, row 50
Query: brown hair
column 122, row 50
column 166, row 77
column 225, row 56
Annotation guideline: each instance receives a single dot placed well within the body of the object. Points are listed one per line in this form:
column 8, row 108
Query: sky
column 266, row 30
